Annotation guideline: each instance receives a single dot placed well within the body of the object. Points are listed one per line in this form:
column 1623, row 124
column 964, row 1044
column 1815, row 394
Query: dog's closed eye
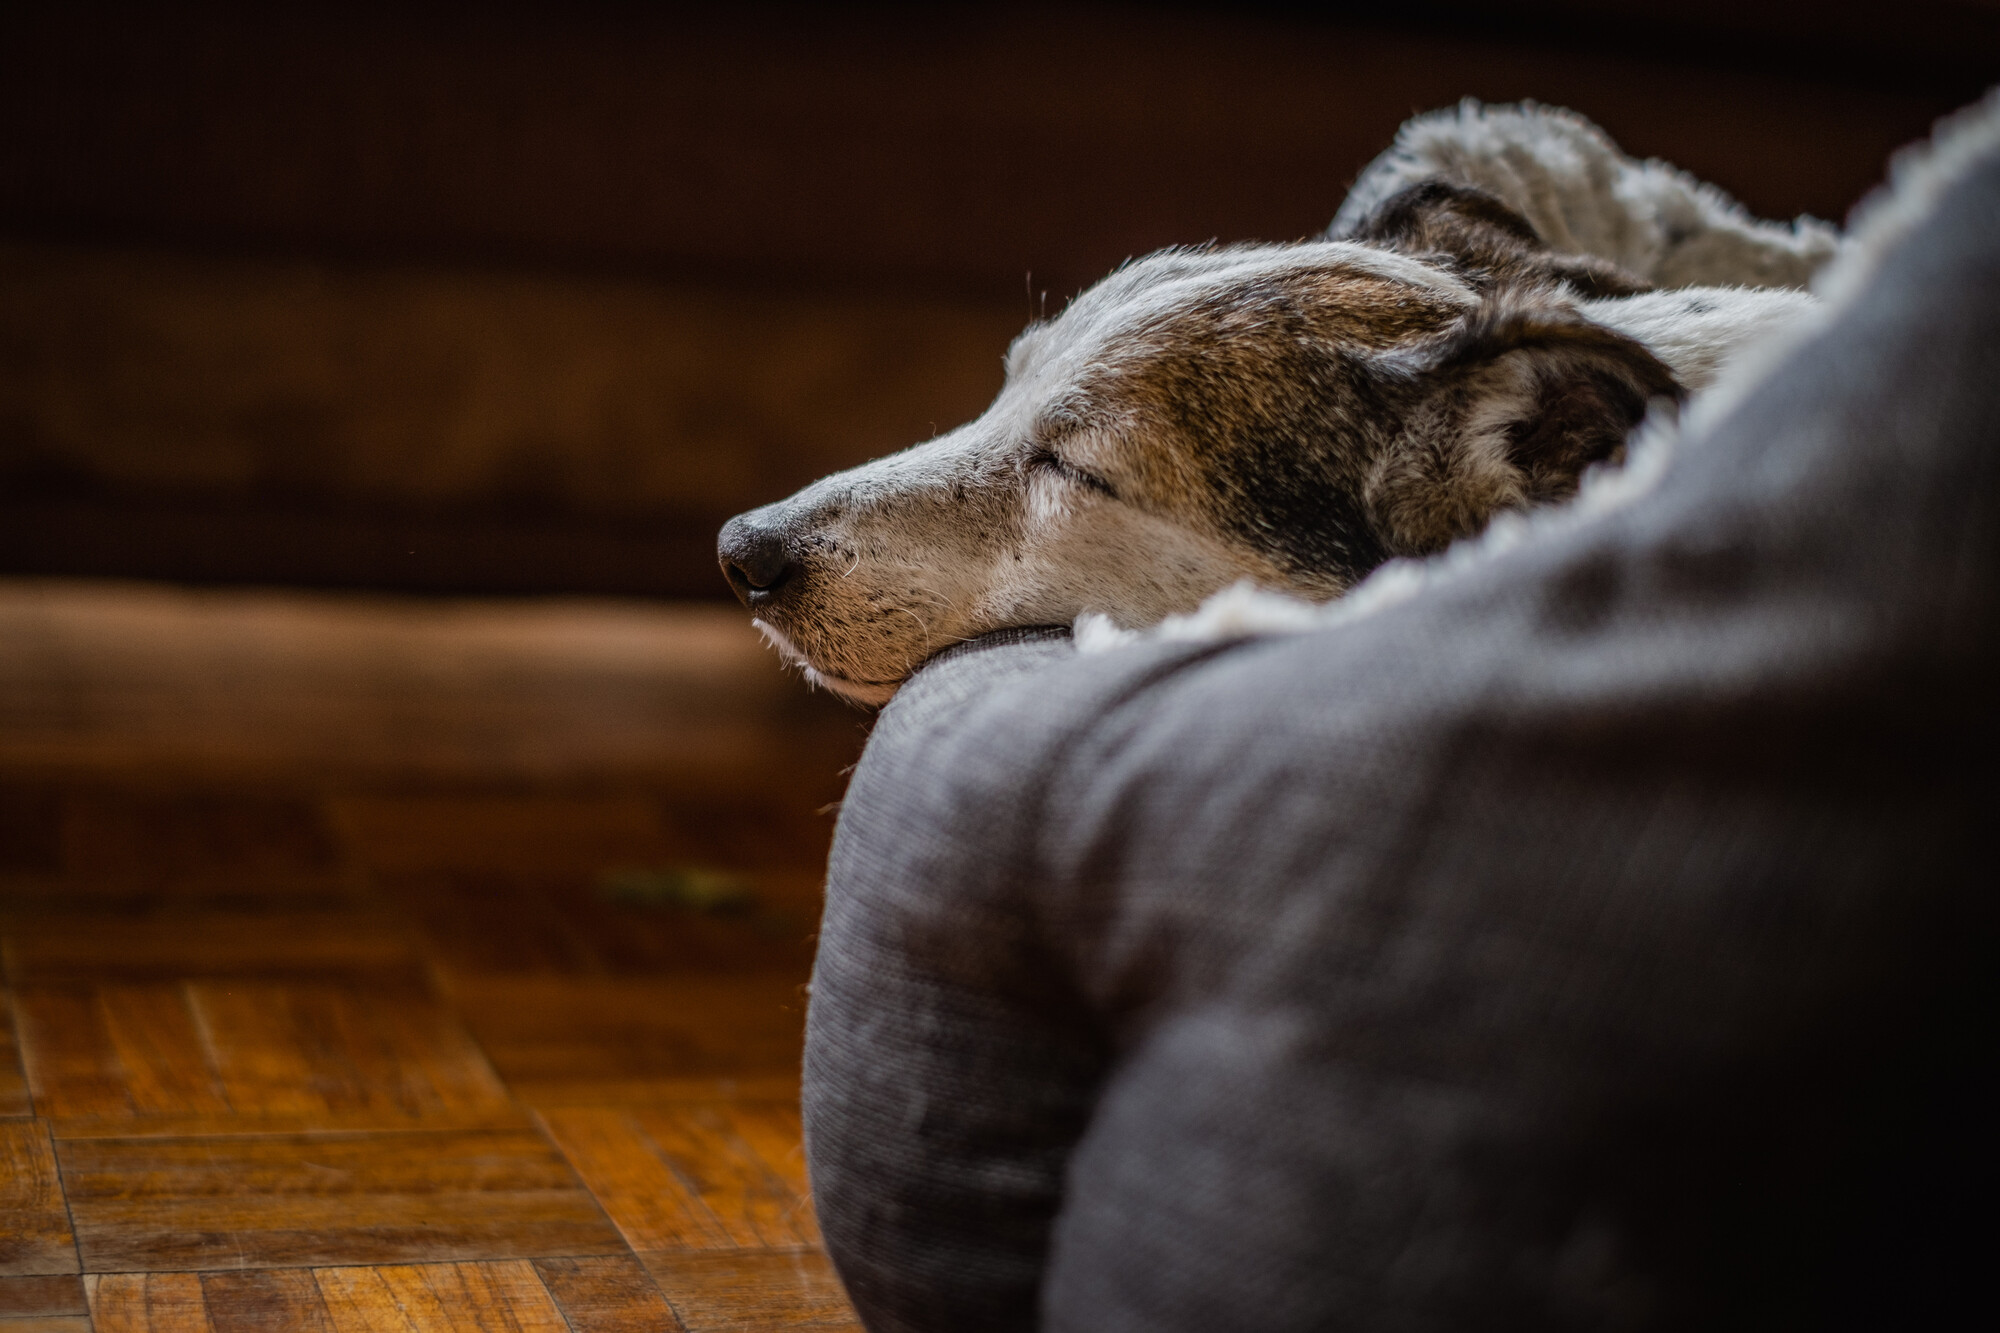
column 1047, row 460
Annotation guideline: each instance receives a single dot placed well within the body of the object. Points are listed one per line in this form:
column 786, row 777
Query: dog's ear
column 1503, row 410
column 1484, row 241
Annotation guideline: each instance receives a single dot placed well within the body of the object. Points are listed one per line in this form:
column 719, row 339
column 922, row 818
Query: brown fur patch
column 1473, row 234
column 1518, row 399
column 1257, row 414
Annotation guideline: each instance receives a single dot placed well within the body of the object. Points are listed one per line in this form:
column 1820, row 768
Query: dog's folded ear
column 1484, row 241
column 1505, row 409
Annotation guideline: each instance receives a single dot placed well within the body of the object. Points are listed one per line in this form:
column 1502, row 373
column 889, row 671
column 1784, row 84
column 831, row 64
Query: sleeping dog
column 1498, row 303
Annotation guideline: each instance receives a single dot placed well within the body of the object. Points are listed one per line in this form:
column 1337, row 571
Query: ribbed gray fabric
column 1604, row 939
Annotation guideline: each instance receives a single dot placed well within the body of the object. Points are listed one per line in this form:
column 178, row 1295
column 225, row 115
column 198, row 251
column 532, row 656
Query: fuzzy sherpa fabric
column 1584, row 195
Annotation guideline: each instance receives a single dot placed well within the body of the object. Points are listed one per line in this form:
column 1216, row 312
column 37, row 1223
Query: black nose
column 754, row 560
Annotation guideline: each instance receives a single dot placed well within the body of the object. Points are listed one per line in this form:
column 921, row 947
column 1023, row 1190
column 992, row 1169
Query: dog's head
column 1290, row 414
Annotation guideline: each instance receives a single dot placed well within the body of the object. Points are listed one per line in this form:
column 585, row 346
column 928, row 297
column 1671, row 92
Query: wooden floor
column 388, row 966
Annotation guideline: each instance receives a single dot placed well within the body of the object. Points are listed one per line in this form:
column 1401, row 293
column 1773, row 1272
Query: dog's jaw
column 868, row 693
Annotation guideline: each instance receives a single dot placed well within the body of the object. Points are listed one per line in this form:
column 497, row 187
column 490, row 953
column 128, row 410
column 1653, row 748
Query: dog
column 1501, row 299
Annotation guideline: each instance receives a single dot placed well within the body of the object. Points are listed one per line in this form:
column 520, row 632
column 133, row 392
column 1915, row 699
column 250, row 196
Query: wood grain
column 286, row 1048
column 42, row 1296
column 15, row 1099
column 499, row 832
column 155, row 834
column 265, row 1301
column 688, row 1177
column 297, row 1124
column 545, row 1032
column 614, row 1294
column 171, row 946
column 147, row 1303
column 495, row 922
column 72, row 1065
column 188, row 687
column 439, row 1298
column 752, row 1291
column 293, row 1200
column 167, row 1065
column 35, row 1234
column 249, row 1048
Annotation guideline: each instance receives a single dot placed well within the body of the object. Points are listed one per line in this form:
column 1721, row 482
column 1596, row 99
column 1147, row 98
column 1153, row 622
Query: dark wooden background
column 528, row 298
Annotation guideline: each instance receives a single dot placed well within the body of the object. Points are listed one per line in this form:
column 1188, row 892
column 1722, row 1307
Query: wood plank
column 30, row 829
column 600, row 1092
column 639, row 1190
column 772, row 1130
column 265, row 1063
column 756, row 1207
column 47, row 1324
column 306, row 1048
column 302, row 1124
column 184, row 686
column 147, row 1302
column 170, row 833
column 269, row 1300
column 15, row 1099
column 613, row 1294
column 148, row 1204
column 687, row 1178
column 35, row 1237
column 30, row 902
column 752, row 1291
column 491, row 921
column 486, row 921
column 513, row 833
column 250, row 1048
column 72, row 1064
column 165, row 1062
column 551, row 1030
column 440, row 1298
column 373, row 947
column 63, row 1295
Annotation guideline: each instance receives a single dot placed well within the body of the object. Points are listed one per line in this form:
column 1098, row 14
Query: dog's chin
column 869, row 692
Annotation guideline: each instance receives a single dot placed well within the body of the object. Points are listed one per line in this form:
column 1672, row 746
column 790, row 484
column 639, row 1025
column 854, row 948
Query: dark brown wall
column 531, row 299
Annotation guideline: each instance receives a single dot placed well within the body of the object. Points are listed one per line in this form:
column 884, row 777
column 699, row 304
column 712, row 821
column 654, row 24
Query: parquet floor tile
column 41, row 1297
column 258, row 1300
column 153, row 834
column 370, row 947
column 300, row 1034
column 249, row 1201
column 508, row 923
column 256, row 1048
column 456, row 1298
column 147, row 1303
column 589, row 1295
column 35, row 1237
column 498, row 832
column 613, row 1294
column 713, row 1176
column 752, row 1291
column 14, row 1098
column 571, row 1039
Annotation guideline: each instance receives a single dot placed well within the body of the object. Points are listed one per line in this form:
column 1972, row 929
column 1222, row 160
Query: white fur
column 855, row 691
column 1584, row 195
column 1699, row 330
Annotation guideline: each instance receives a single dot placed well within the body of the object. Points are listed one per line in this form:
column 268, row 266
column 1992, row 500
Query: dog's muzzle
column 756, row 560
